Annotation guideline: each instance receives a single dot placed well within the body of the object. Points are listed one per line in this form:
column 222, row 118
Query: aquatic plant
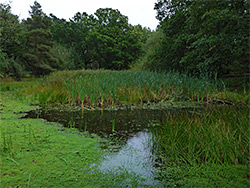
column 104, row 88
column 214, row 136
column 113, row 125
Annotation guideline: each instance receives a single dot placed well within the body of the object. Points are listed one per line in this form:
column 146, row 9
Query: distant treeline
column 194, row 36
column 42, row 44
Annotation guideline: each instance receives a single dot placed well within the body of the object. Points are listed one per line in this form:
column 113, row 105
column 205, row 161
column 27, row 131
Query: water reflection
column 134, row 157
column 132, row 126
column 127, row 122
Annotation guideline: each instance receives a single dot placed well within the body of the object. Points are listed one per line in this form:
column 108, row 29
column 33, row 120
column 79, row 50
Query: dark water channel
column 132, row 127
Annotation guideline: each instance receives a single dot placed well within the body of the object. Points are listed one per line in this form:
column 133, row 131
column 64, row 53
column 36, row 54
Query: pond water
column 131, row 127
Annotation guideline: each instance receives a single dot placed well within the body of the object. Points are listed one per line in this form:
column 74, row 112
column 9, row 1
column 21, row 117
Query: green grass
column 205, row 176
column 36, row 153
column 208, row 149
column 10, row 85
column 104, row 88
column 219, row 136
column 216, row 139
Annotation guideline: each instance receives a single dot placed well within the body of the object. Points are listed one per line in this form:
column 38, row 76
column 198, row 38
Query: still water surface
column 131, row 126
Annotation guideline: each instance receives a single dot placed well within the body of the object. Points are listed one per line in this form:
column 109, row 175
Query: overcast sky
column 138, row 11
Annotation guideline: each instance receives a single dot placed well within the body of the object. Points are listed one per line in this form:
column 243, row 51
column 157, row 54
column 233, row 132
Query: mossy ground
column 211, row 175
column 36, row 153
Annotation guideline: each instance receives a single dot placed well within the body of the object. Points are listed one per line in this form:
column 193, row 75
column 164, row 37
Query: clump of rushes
column 103, row 88
column 214, row 137
column 52, row 93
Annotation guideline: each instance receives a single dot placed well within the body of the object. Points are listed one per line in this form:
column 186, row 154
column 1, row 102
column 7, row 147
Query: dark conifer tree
column 39, row 42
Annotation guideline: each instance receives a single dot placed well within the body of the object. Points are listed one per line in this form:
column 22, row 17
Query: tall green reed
column 218, row 136
column 113, row 125
column 103, row 87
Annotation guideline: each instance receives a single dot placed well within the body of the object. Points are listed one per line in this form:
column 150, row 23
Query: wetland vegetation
column 98, row 102
column 36, row 153
column 200, row 144
column 106, row 88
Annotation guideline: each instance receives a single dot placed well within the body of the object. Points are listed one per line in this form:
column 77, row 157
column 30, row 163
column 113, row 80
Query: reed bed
column 103, row 88
column 212, row 137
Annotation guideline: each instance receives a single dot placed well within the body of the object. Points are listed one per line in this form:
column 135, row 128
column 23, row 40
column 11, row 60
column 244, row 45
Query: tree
column 149, row 49
column 11, row 32
column 74, row 35
column 203, row 37
column 39, row 42
column 117, row 44
column 103, row 40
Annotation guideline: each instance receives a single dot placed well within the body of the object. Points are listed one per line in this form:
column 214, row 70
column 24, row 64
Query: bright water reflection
column 135, row 157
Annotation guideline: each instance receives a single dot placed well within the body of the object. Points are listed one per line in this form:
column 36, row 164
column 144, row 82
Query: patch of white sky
column 138, row 11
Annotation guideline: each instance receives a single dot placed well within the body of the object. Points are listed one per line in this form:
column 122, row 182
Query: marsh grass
column 10, row 85
column 43, row 154
column 7, row 144
column 113, row 125
column 212, row 137
column 85, row 127
column 106, row 88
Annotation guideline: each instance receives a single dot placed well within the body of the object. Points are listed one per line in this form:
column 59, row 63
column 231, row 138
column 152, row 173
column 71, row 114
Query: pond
column 130, row 128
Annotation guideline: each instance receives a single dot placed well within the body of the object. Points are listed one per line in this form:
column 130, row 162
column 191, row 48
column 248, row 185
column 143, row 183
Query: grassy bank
column 213, row 143
column 36, row 153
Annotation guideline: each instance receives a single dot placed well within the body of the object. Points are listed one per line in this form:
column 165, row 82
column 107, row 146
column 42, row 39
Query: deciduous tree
column 204, row 37
column 117, row 43
column 11, row 32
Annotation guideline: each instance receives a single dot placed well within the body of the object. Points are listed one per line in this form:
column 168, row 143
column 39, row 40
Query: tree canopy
column 204, row 37
column 103, row 40
column 42, row 44
column 39, row 42
column 194, row 36
column 11, row 32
